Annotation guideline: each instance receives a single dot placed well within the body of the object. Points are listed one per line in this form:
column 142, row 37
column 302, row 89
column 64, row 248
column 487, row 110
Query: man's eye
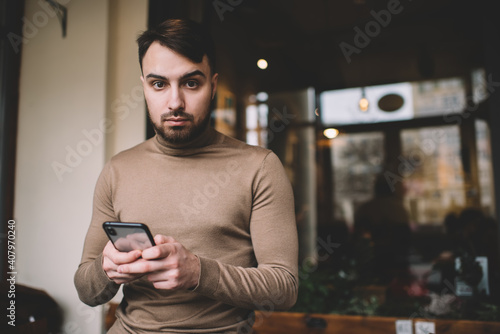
column 158, row 84
column 192, row 84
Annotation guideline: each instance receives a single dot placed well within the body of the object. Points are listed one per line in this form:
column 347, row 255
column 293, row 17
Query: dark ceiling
column 317, row 42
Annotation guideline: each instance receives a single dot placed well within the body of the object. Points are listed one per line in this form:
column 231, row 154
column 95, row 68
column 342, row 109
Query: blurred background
column 382, row 112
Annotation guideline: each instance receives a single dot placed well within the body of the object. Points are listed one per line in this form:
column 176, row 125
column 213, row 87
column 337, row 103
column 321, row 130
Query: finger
column 162, row 239
column 165, row 275
column 111, row 271
column 139, row 244
column 166, row 279
column 118, row 257
column 159, row 251
column 142, row 267
column 123, row 278
column 167, row 285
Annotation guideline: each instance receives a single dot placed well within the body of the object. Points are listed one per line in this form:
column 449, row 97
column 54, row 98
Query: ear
column 142, row 79
column 215, row 77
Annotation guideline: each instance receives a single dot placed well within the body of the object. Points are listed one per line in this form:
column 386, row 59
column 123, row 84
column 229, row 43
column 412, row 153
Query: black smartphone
column 127, row 237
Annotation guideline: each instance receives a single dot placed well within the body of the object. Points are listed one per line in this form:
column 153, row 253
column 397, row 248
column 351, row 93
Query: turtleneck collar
column 207, row 137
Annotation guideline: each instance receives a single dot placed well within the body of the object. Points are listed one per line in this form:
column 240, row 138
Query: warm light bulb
column 364, row 104
column 262, row 96
column 331, row 133
column 262, row 64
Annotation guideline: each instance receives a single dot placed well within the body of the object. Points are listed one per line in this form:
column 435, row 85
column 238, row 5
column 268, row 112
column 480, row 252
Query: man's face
column 178, row 93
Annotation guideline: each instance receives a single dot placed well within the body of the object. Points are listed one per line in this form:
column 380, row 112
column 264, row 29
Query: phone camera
column 111, row 231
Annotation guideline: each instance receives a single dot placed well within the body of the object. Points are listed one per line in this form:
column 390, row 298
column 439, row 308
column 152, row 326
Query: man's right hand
column 112, row 258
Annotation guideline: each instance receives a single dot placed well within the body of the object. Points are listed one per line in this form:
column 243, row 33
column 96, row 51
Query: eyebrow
column 184, row 76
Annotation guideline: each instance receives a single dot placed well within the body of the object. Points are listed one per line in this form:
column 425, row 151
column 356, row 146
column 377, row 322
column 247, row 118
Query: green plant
column 332, row 289
column 346, row 285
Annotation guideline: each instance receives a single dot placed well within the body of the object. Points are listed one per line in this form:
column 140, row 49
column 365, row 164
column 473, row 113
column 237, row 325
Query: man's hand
column 169, row 265
column 112, row 259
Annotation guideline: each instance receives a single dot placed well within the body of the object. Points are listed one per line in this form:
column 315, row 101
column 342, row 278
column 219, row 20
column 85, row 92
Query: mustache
column 176, row 113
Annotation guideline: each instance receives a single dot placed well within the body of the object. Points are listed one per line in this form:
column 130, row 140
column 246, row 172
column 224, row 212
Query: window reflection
column 356, row 160
column 419, row 99
column 432, row 170
column 404, row 208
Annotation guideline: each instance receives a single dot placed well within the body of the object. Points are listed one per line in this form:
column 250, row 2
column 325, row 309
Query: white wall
column 125, row 103
column 65, row 91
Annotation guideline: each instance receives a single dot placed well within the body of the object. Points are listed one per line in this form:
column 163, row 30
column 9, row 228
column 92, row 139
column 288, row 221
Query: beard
column 181, row 134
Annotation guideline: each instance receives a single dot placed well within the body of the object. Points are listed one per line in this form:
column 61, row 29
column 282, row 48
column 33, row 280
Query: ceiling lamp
column 262, row 96
column 331, row 133
column 262, row 64
column 363, row 102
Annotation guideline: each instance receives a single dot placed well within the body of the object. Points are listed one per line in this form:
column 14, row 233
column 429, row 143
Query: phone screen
column 127, row 237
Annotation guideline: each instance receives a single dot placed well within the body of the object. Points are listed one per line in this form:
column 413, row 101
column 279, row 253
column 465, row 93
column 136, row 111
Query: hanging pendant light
column 364, row 104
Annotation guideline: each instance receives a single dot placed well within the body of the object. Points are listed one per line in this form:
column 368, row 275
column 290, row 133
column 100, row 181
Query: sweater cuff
column 101, row 274
column 104, row 282
column 209, row 277
column 93, row 285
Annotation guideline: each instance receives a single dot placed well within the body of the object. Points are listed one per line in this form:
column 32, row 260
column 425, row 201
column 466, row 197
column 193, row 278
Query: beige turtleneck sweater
column 229, row 203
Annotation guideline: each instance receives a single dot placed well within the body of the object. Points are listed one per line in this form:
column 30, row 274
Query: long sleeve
column 91, row 282
column 273, row 284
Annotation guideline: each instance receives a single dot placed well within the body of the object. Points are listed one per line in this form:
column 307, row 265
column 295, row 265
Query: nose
column 175, row 99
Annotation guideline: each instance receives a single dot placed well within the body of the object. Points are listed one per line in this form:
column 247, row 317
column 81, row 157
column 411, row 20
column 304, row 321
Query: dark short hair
column 185, row 37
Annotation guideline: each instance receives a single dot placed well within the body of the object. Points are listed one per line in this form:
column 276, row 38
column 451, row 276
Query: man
column 222, row 211
column 385, row 221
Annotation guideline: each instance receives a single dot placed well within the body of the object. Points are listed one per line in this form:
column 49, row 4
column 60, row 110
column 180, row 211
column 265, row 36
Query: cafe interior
column 383, row 114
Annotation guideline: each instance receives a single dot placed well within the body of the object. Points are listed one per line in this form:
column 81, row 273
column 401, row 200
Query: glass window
column 400, row 101
column 480, row 89
column 256, row 124
column 485, row 169
column 339, row 107
column 405, row 201
column 432, row 171
column 356, row 160
column 438, row 97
